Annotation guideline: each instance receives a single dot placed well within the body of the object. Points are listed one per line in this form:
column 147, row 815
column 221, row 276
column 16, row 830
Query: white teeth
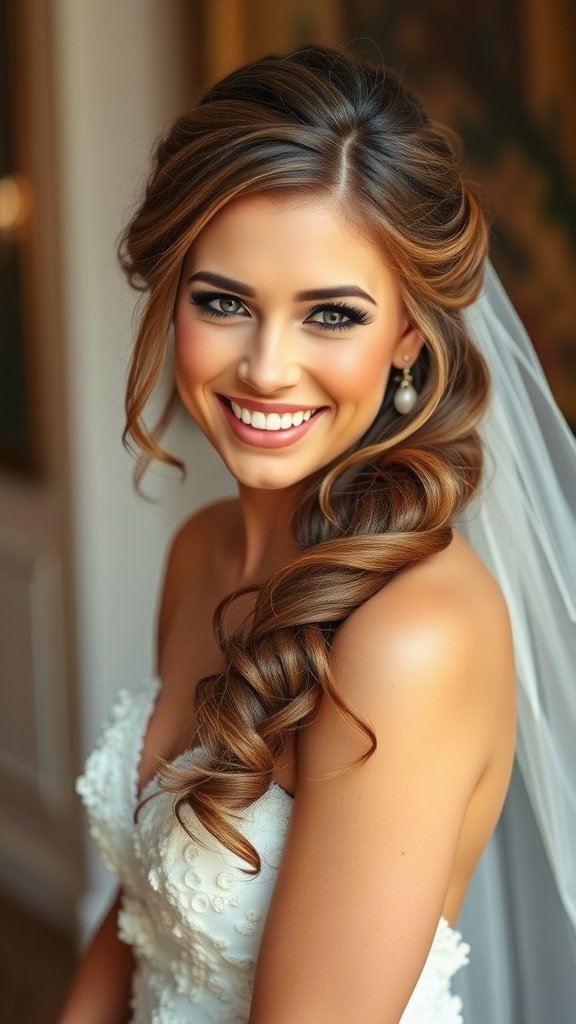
column 258, row 420
column 272, row 420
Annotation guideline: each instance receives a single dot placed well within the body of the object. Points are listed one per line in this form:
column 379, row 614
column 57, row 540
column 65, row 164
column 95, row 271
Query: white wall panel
column 37, row 862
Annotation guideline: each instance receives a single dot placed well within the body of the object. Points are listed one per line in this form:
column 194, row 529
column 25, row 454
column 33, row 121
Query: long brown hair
column 320, row 122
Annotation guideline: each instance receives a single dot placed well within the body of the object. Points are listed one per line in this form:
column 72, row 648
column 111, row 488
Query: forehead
column 262, row 236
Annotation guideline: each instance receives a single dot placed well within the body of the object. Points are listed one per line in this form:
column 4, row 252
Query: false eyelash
column 203, row 300
column 354, row 313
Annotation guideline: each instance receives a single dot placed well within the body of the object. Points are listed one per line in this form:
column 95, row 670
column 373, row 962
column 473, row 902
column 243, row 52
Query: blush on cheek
column 370, row 361
column 363, row 379
column 193, row 357
column 184, row 355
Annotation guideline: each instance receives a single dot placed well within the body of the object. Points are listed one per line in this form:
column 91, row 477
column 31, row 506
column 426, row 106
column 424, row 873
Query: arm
column 100, row 990
column 370, row 852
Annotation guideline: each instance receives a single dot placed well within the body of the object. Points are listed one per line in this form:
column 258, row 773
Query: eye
column 226, row 305
column 337, row 316
column 217, row 304
column 330, row 318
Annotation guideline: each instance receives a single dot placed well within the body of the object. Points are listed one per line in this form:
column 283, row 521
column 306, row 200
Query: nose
column 270, row 362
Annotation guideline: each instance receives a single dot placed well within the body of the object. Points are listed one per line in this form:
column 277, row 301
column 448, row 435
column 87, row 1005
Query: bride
column 296, row 802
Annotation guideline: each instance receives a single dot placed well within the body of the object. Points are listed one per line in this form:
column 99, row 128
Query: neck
column 267, row 539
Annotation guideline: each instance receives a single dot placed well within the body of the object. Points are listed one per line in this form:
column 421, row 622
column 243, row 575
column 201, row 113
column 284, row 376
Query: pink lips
column 267, row 438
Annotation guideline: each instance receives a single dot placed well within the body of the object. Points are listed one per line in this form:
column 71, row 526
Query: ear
column 407, row 348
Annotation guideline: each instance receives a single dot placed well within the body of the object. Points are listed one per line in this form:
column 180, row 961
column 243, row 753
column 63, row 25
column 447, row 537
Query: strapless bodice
column 192, row 915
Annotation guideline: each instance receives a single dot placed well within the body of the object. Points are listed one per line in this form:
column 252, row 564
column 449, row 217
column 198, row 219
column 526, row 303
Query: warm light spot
column 15, row 202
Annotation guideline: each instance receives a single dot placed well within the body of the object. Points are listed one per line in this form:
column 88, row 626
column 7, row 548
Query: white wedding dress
column 193, row 918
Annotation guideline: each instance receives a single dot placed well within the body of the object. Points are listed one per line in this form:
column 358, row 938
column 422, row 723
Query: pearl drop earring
column 405, row 395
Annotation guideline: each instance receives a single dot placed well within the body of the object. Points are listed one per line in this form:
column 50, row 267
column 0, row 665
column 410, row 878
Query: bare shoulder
column 190, row 557
column 196, row 539
column 182, row 600
column 447, row 608
column 432, row 650
column 204, row 526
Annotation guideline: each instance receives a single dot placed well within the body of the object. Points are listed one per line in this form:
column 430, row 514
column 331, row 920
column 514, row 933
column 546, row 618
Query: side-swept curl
column 324, row 123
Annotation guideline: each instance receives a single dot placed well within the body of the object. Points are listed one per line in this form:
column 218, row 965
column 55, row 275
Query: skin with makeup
column 290, row 329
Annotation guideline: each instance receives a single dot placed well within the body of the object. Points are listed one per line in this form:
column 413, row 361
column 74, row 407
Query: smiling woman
column 267, row 363
column 296, row 802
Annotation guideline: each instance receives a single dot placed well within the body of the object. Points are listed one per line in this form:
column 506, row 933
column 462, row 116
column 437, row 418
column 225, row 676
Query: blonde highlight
column 321, row 123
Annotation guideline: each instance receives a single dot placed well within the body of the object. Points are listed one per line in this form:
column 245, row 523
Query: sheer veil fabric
column 523, row 526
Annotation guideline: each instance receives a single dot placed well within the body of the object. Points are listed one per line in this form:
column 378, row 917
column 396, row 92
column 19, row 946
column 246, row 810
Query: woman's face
column 286, row 327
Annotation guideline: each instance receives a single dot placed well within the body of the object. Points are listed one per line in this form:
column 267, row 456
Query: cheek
column 195, row 359
column 363, row 372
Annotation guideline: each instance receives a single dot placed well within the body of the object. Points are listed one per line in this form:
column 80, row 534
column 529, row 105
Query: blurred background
column 85, row 88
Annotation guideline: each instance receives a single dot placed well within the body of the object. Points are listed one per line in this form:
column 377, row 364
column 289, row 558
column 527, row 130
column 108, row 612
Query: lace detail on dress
column 432, row 999
column 109, row 784
column 192, row 914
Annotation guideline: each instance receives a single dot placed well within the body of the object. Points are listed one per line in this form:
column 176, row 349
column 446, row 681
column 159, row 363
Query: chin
column 268, row 481
column 274, row 474
column 271, row 477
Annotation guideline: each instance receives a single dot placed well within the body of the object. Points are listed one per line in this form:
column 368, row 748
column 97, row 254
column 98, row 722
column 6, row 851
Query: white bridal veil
column 523, row 525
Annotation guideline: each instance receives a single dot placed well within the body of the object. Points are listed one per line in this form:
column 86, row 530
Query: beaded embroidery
column 192, row 916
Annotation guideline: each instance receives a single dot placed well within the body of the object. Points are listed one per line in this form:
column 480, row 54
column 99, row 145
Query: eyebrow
column 338, row 292
column 223, row 282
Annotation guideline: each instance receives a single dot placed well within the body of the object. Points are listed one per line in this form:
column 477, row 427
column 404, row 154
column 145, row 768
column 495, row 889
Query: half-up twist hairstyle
column 323, row 123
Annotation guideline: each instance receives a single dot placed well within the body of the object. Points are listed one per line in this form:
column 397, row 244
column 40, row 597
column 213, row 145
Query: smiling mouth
column 272, row 421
